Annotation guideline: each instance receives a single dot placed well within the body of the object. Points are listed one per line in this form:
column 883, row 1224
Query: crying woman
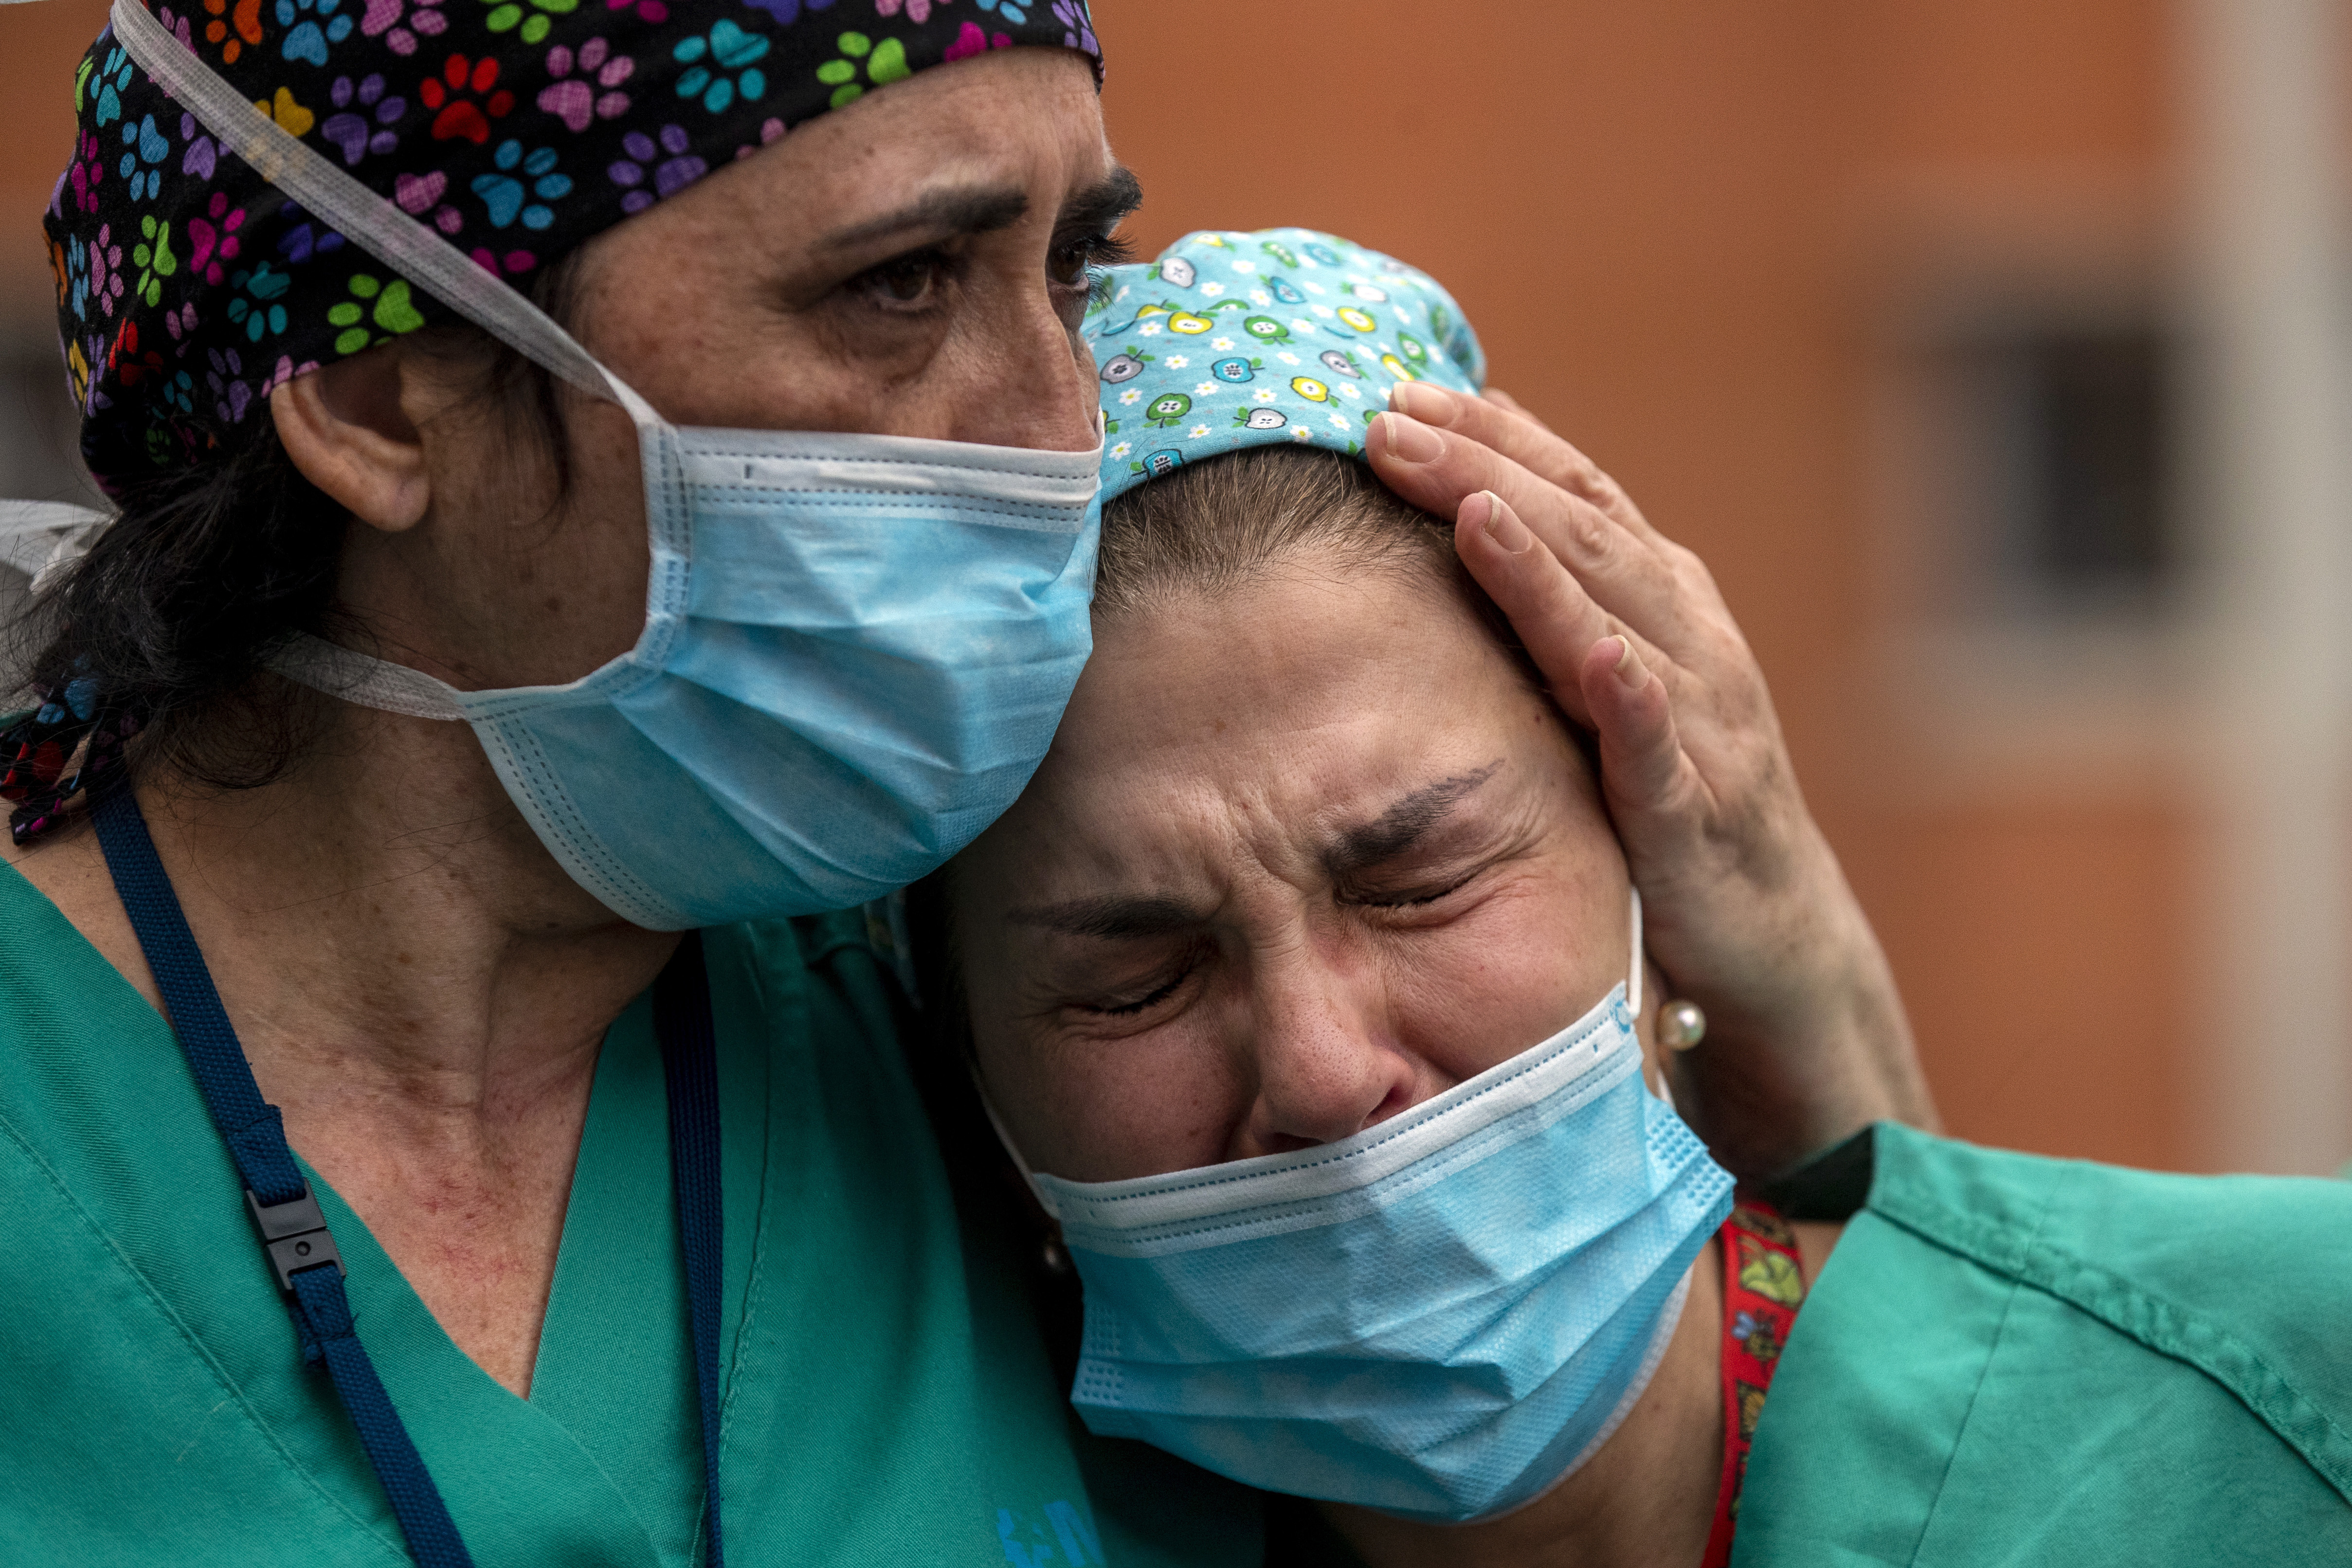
column 1305, row 984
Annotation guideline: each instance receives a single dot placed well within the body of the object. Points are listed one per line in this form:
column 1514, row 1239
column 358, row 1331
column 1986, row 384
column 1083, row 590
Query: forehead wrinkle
column 1216, row 847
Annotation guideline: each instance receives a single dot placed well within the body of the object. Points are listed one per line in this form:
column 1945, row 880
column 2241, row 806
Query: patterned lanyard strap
column 294, row 1235
column 1763, row 1285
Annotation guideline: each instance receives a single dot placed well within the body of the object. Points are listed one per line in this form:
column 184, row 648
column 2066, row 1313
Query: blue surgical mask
column 856, row 651
column 1440, row 1317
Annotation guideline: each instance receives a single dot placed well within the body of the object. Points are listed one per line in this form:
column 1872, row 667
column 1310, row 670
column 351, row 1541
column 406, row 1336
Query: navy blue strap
column 690, row 1068
column 294, row 1235
column 248, row 1124
column 433, row 1538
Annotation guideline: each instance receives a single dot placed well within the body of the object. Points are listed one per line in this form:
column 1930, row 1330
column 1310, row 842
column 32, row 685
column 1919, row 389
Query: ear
column 344, row 427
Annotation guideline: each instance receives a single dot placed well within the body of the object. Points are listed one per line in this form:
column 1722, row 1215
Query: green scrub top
column 2010, row 1360
column 887, row 1396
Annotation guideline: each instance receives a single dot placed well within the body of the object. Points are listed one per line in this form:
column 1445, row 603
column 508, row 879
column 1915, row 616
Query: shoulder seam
column 2160, row 1324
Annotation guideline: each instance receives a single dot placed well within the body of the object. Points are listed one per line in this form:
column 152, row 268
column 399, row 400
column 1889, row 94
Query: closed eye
column 1141, row 1004
column 1415, row 897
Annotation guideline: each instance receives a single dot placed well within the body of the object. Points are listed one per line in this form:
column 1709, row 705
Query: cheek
column 1107, row 1110
column 1529, row 960
column 597, row 558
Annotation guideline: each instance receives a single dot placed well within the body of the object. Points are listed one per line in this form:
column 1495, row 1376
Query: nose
column 1327, row 1065
column 1040, row 390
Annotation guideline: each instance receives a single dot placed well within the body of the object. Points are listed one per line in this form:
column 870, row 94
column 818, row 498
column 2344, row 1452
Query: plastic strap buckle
column 294, row 1234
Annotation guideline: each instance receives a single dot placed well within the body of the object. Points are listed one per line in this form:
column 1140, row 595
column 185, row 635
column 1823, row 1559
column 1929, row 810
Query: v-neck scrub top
column 886, row 1397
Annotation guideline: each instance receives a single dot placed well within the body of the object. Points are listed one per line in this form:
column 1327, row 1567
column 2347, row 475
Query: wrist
column 1795, row 1067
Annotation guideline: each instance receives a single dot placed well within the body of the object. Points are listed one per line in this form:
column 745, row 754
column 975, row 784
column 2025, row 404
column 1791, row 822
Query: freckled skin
column 443, row 1097
column 1214, row 749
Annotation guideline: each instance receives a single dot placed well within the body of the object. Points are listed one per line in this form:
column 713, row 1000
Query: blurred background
column 1994, row 353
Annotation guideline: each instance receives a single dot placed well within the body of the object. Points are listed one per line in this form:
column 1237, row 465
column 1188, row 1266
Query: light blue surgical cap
column 1284, row 337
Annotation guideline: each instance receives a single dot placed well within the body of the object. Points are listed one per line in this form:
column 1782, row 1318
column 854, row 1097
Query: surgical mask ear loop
column 351, row 209
column 1634, row 963
column 1056, row 1252
column 1036, row 1189
column 1633, row 1004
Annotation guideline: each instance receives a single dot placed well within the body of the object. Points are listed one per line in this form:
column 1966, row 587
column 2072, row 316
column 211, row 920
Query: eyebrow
column 1111, row 917
column 1114, row 917
column 966, row 209
column 984, row 209
column 1402, row 826
column 1104, row 205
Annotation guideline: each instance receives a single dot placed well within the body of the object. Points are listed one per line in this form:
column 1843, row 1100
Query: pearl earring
column 1681, row 1025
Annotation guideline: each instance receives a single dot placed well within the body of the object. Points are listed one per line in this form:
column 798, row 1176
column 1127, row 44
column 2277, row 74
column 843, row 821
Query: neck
column 383, row 921
column 419, row 987
column 1646, row 1500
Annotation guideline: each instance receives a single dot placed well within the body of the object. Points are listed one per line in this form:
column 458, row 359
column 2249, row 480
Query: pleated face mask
column 856, row 648
column 1440, row 1317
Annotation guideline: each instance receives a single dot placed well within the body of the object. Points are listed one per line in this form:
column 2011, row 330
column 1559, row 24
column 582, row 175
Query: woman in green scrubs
column 315, row 273
column 1313, row 1021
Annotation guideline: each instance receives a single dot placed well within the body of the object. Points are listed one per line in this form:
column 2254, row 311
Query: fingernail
column 1503, row 526
column 1406, row 441
column 1420, row 401
column 1630, row 668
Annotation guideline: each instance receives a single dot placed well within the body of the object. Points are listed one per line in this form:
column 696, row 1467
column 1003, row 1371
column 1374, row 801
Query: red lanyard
column 1763, row 1285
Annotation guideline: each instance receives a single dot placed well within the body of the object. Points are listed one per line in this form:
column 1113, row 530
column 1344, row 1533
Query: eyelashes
column 1418, row 899
column 1141, row 1004
column 912, row 282
column 1103, row 252
column 908, row 283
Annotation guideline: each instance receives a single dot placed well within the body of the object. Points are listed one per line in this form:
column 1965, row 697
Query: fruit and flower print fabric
column 188, row 288
column 1763, row 1286
column 1285, row 336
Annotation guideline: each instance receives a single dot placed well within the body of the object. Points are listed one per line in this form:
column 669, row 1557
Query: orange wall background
column 1676, row 225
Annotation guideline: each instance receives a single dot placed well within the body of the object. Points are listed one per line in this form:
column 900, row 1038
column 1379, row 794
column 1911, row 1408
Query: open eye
column 1074, row 258
column 907, row 282
column 1075, row 270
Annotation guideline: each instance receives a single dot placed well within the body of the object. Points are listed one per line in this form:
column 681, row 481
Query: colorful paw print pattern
column 1282, row 336
column 187, row 288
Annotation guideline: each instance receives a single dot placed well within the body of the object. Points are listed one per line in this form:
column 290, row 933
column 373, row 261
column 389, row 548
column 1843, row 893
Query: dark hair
column 160, row 630
column 1220, row 524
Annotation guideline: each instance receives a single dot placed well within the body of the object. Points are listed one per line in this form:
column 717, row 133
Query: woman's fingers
column 1556, row 620
column 1437, row 470
column 1649, row 780
column 1500, row 423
